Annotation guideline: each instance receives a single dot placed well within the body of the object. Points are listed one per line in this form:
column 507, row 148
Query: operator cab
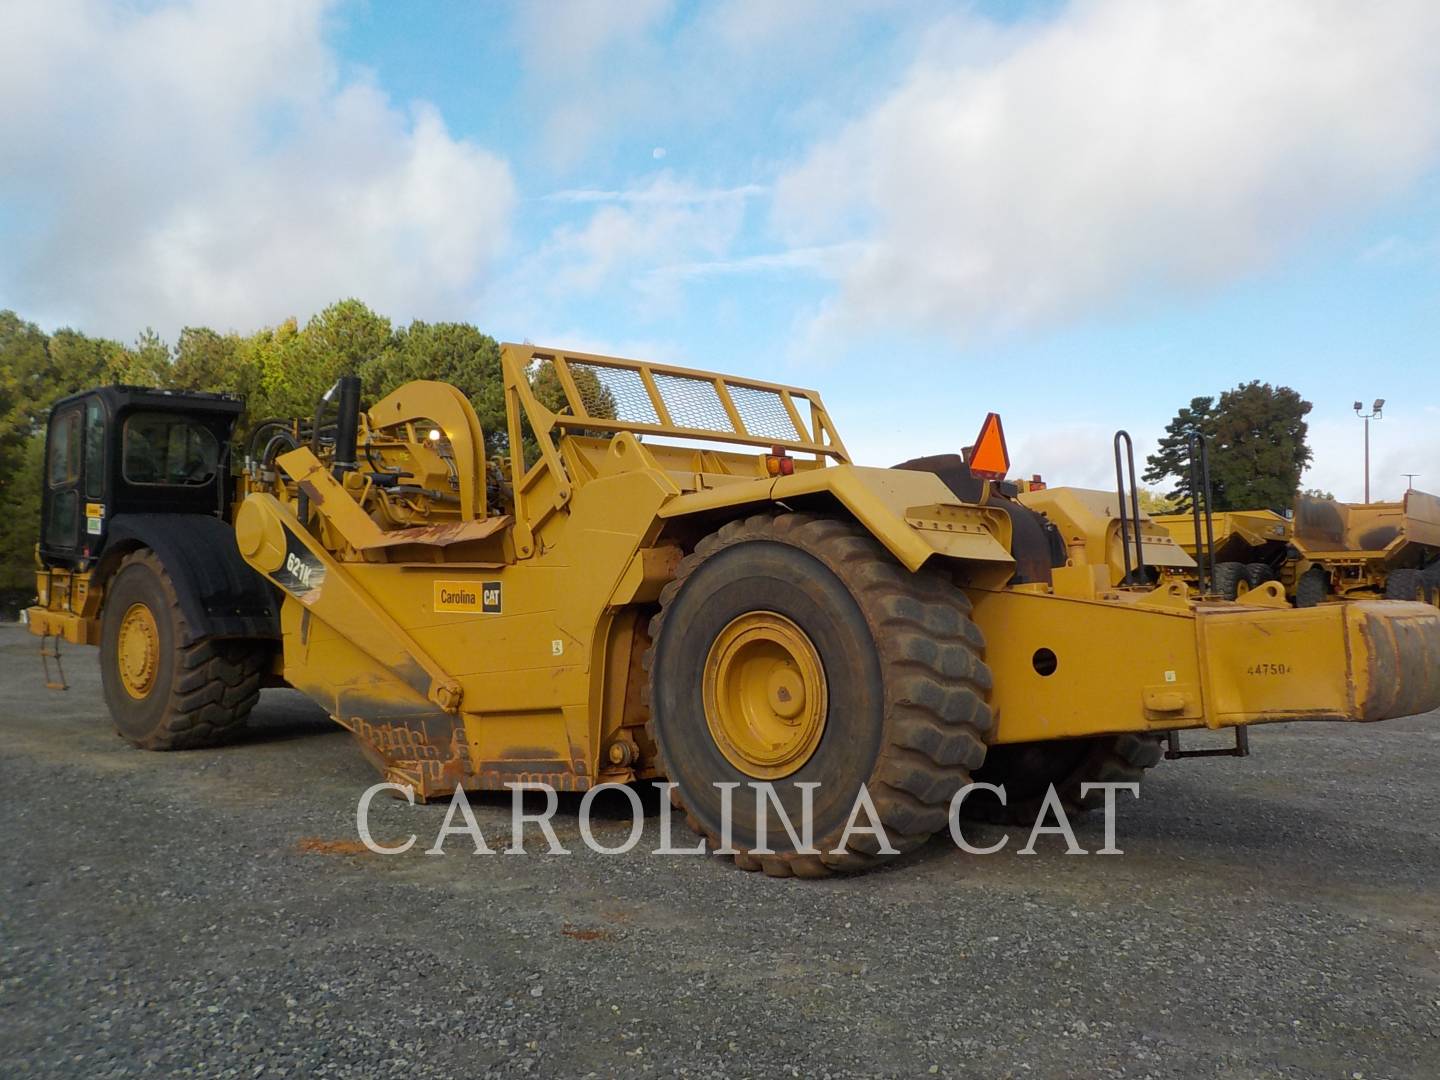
column 131, row 450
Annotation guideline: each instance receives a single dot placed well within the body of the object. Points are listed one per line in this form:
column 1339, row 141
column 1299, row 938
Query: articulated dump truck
column 673, row 574
column 1327, row 550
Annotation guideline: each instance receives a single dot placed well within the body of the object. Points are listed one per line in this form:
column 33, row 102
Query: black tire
column 1228, row 576
column 899, row 653
column 1404, row 585
column 1259, row 573
column 1026, row 771
column 200, row 694
column 1312, row 588
column 1431, row 578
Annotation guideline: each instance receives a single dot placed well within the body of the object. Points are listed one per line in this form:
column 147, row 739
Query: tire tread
column 216, row 683
column 937, row 716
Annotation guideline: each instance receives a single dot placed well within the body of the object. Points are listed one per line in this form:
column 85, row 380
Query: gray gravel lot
column 204, row 914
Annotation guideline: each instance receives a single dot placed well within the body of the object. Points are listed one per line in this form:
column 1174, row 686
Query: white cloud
column 823, row 260
column 664, row 189
column 601, row 73
column 660, row 221
column 205, row 163
column 1405, row 440
column 567, row 35
column 1026, row 175
column 589, row 64
column 1400, row 251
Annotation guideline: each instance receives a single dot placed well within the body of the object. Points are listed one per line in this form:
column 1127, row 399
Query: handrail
column 1134, row 503
column 696, row 395
column 1200, row 486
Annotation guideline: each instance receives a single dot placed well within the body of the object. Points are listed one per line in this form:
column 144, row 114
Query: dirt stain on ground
column 318, row 845
column 580, row 933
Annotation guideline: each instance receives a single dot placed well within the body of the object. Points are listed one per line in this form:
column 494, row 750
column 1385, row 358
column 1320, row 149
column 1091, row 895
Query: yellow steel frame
column 819, row 436
column 1142, row 662
column 545, row 486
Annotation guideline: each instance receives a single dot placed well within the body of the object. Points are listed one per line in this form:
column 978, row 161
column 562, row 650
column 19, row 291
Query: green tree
column 146, row 363
column 35, row 371
column 1172, row 457
column 20, row 523
column 1257, row 445
column 297, row 366
column 456, row 353
column 1152, row 502
column 550, row 392
column 281, row 371
column 205, row 360
column 24, row 372
column 24, row 367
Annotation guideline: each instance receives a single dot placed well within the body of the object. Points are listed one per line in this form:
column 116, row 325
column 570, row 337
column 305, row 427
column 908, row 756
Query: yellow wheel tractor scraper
column 675, row 574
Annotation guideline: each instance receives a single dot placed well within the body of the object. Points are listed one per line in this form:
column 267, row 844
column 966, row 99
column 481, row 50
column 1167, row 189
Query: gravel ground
column 206, row 914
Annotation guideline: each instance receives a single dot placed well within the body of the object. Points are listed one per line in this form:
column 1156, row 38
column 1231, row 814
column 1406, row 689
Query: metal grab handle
column 1200, row 489
column 1134, row 504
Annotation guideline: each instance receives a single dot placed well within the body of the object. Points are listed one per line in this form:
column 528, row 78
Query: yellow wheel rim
column 765, row 695
column 138, row 651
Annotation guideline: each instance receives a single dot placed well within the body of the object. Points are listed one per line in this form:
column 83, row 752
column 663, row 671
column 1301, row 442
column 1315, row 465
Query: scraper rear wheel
column 1026, row 771
column 791, row 649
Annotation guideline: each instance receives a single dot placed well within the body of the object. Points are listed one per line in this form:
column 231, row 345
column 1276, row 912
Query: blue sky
column 1079, row 214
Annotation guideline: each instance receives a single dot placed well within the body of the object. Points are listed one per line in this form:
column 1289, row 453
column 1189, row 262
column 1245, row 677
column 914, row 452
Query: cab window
column 161, row 448
column 65, row 448
column 94, row 449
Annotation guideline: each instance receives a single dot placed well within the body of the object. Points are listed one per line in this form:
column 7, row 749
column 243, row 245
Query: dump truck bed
column 1235, row 531
column 1325, row 528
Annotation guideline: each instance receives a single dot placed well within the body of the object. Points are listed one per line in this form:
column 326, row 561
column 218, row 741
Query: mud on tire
column 906, row 683
column 199, row 694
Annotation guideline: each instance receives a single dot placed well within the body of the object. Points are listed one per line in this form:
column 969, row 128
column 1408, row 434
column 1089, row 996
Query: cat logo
column 468, row 597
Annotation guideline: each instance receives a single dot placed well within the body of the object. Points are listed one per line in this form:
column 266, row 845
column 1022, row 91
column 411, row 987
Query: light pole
column 1374, row 413
column 1409, row 480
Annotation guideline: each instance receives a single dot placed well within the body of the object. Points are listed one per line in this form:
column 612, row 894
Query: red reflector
column 990, row 459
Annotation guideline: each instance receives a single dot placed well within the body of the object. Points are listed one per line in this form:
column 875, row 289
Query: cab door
column 72, row 502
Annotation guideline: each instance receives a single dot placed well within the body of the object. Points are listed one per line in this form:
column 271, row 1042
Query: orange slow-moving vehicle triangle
column 990, row 460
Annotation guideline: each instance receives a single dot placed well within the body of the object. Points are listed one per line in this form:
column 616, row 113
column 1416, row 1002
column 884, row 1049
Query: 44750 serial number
column 1269, row 669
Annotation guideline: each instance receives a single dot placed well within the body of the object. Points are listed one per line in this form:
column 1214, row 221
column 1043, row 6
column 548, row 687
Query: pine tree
column 1257, row 445
column 1172, row 456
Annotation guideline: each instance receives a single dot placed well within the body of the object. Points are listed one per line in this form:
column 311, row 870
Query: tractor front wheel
column 792, row 650
column 164, row 695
